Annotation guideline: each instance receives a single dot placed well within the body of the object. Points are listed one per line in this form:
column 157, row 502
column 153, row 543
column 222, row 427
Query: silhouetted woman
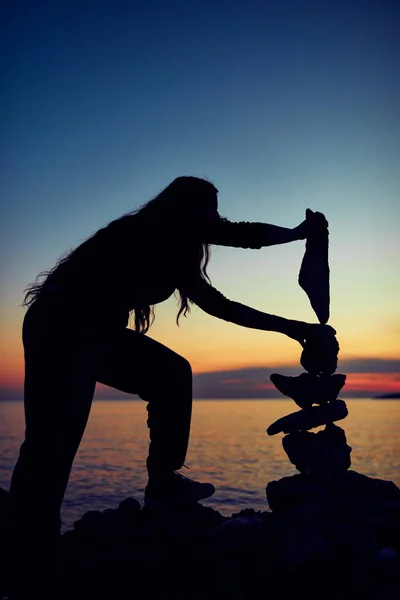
column 75, row 334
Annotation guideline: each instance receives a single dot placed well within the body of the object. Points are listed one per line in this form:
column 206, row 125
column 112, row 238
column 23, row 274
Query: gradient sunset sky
column 282, row 105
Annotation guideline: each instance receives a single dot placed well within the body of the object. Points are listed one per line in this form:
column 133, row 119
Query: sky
column 282, row 105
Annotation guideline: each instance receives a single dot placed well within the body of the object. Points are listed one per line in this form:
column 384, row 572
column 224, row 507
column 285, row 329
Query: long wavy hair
column 180, row 207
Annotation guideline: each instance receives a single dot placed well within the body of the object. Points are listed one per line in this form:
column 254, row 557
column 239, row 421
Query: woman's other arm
column 216, row 304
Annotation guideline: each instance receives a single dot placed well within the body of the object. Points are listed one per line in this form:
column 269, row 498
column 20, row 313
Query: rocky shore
column 331, row 539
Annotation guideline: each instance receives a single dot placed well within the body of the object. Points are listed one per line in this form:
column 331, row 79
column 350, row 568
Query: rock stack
column 325, row 452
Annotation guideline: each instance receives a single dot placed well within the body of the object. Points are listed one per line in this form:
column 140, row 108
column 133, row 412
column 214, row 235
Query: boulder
column 358, row 514
column 344, row 496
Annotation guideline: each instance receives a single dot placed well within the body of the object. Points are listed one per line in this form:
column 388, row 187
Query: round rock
column 320, row 352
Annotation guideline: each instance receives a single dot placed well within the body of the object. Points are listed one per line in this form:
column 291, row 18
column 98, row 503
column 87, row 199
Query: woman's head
column 186, row 201
column 182, row 209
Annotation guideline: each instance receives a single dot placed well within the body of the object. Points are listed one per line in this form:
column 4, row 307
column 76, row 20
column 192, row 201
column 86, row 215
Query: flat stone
column 310, row 418
column 314, row 270
column 306, row 389
column 322, row 453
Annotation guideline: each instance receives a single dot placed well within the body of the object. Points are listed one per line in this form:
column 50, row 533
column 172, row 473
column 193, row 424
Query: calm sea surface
column 228, row 446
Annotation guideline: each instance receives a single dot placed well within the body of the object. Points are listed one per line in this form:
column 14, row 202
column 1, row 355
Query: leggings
column 63, row 362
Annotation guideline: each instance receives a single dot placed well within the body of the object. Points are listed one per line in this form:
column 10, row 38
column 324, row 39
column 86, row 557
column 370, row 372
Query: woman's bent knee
column 185, row 367
column 179, row 374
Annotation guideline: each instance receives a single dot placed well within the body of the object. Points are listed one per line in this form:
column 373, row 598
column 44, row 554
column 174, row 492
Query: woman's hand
column 314, row 224
column 299, row 331
column 320, row 347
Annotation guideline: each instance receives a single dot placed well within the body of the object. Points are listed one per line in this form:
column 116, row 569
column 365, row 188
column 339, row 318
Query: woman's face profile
column 211, row 207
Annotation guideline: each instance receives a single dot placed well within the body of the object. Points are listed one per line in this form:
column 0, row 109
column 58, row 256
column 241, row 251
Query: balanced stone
column 306, row 389
column 310, row 418
column 320, row 352
column 322, row 453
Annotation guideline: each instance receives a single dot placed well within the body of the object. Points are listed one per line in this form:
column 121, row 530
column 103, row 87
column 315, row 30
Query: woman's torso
column 122, row 267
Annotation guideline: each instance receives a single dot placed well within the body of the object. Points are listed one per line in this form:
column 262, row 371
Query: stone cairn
column 325, row 452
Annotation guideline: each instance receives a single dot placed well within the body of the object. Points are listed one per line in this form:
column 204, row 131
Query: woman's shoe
column 175, row 489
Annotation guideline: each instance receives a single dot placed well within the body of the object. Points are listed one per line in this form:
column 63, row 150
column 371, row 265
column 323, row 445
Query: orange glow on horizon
column 374, row 383
column 385, row 382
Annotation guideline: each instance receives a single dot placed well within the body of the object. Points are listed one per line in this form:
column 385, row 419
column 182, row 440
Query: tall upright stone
column 314, row 271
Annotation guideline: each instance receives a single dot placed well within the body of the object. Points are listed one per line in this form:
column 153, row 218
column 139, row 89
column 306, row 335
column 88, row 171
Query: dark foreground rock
column 332, row 538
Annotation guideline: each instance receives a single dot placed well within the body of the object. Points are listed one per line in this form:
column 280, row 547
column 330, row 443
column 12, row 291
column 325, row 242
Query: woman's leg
column 60, row 378
column 139, row 365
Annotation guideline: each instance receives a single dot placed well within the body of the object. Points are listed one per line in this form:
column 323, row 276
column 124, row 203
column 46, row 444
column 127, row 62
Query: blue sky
column 283, row 105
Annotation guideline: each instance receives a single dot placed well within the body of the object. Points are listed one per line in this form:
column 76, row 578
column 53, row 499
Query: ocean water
column 228, row 447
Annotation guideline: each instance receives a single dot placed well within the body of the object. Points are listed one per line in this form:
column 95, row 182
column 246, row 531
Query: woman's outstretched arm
column 258, row 235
